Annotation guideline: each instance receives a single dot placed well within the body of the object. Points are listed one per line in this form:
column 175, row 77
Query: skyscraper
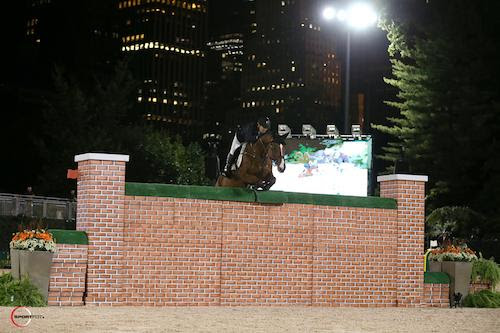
column 291, row 71
column 165, row 40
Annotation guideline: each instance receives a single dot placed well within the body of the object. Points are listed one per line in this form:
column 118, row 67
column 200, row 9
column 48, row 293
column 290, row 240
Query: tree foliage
column 453, row 222
column 78, row 118
column 163, row 159
column 446, row 116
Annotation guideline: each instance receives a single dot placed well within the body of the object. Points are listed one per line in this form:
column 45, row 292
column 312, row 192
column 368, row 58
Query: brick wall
column 67, row 275
column 436, row 295
column 409, row 192
column 100, row 213
column 477, row 287
column 171, row 251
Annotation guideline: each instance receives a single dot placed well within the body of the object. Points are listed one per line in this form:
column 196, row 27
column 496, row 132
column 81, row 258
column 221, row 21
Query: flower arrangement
column 33, row 240
column 452, row 253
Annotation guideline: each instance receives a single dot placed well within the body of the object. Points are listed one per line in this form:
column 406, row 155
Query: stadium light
column 284, row 129
column 332, row 131
column 357, row 16
column 308, row 130
column 356, row 130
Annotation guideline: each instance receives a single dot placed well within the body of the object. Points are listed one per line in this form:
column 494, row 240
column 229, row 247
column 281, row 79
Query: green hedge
column 69, row 236
column 246, row 195
column 436, row 277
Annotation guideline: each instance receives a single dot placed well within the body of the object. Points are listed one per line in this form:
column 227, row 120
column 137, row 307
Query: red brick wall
column 101, row 190
column 67, row 275
column 198, row 252
column 169, row 251
column 436, row 295
column 477, row 287
column 410, row 195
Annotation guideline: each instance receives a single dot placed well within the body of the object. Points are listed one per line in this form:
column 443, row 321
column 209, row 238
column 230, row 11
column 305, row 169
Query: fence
column 37, row 206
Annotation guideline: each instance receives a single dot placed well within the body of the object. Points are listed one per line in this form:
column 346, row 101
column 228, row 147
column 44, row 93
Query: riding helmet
column 264, row 122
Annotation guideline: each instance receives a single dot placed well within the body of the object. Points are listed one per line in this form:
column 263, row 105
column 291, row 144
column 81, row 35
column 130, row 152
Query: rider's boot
column 227, row 168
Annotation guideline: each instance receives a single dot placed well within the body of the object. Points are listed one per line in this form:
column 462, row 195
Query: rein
column 255, row 156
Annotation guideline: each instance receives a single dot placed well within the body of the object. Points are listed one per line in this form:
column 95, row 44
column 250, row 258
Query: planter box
column 14, row 263
column 4, row 271
column 435, row 266
column 459, row 273
column 36, row 265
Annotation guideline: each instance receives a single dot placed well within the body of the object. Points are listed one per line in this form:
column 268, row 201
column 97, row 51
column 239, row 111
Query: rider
column 250, row 132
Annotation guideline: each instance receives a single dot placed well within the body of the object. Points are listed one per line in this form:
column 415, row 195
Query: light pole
column 357, row 16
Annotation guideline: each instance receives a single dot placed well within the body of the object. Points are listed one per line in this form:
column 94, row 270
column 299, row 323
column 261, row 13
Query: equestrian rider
column 250, row 132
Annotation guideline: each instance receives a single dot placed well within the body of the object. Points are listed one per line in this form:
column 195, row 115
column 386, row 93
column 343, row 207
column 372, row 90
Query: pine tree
column 447, row 110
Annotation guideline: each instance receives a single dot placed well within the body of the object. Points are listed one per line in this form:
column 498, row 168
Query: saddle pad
column 240, row 156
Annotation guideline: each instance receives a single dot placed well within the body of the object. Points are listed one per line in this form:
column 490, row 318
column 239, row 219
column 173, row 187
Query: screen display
column 325, row 166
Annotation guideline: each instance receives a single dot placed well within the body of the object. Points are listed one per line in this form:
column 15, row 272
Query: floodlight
column 329, row 13
column 284, row 129
column 341, row 15
column 361, row 15
column 332, row 131
column 308, row 130
column 356, row 130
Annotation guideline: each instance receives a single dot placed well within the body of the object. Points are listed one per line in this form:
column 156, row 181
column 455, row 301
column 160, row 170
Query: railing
column 35, row 206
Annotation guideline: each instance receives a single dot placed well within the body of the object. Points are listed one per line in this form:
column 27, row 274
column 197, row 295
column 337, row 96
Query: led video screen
column 325, row 166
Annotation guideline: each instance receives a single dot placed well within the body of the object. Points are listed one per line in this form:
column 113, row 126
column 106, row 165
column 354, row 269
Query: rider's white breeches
column 236, row 143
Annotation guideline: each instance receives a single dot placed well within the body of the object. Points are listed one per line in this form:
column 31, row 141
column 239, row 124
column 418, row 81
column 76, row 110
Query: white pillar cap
column 416, row 178
column 101, row 157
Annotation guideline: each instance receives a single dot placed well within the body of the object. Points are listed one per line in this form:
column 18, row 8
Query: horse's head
column 276, row 151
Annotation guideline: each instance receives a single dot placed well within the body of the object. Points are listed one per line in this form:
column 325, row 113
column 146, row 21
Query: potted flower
column 31, row 252
column 456, row 261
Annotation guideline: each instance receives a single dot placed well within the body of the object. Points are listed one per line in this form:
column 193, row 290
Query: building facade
column 165, row 40
column 291, row 71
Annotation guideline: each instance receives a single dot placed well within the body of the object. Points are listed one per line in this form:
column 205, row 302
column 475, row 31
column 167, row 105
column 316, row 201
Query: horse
column 256, row 170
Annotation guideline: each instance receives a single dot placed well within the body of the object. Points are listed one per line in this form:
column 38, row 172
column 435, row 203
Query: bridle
column 266, row 150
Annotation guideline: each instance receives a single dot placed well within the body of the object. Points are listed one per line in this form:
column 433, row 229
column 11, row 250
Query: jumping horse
column 256, row 170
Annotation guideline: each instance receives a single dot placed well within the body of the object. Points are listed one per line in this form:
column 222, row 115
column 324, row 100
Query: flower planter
column 35, row 265
column 14, row 263
column 459, row 273
column 435, row 266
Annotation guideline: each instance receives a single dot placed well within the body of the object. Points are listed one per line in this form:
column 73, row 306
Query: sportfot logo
column 21, row 316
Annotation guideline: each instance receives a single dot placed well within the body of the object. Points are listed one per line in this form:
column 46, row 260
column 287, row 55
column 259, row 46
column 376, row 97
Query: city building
column 291, row 70
column 165, row 40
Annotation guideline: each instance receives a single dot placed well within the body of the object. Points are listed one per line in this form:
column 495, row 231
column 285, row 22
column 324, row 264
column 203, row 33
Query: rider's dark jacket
column 247, row 132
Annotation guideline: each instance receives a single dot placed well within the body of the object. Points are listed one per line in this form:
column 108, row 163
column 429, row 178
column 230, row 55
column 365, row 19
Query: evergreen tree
column 447, row 111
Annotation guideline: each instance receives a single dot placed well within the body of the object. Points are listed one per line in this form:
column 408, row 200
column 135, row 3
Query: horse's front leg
column 269, row 183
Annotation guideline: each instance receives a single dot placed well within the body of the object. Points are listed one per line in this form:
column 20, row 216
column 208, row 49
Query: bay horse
column 256, row 170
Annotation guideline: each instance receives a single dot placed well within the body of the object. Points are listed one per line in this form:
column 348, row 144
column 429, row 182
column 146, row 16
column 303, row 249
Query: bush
column 5, row 263
column 486, row 270
column 22, row 292
column 483, row 299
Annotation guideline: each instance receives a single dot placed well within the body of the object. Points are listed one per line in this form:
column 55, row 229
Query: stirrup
column 226, row 172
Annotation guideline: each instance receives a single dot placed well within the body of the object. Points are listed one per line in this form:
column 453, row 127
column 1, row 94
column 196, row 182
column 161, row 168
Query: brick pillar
column 100, row 213
column 409, row 192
